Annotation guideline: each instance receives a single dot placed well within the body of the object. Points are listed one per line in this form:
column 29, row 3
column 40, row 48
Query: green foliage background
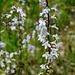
column 64, row 65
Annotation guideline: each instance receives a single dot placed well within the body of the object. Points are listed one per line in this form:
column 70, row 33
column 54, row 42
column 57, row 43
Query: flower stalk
column 45, row 35
column 48, row 24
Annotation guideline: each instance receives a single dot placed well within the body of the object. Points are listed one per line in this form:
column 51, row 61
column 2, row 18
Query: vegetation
column 24, row 50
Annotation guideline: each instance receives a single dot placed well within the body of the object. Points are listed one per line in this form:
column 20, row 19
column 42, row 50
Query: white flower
column 13, row 59
column 53, row 52
column 42, row 66
column 53, row 16
column 6, row 52
column 28, row 38
column 39, row 0
column 2, row 64
column 46, row 10
column 46, row 44
column 46, row 55
column 19, row 10
column 13, row 28
column 54, row 26
column 2, row 31
column 8, row 68
column 21, row 28
column 7, row 56
column 14, row 66
column 53, row 42
column 11, row 11
column 8, row 15
column 37, row 28
column 60, row 45
column 29, row 46
column 41, row 38
column 23, row 14
column 12, row 71
column 2, row 44
column 15, row 19
column 42, row 24
column 15, row 53
column 45, row 15
column 41, row 14
column 51, row 57
column 24, row 41
column 20, row 51
column 54, row 9
column 22, row 22
column 56, row 36
column 23, row 1
column 33, row 34
column 11, row 55
column 1, row 52
column 24, row 45
column 13, row 7
column 47, row 66
column 4, row 23
column 54, row 49
column 24, row 33
column 7, row 60
column 44, row 32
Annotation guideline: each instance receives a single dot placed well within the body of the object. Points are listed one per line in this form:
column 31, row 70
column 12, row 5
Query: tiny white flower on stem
column 7, row 60
column 14, row 66
column 24, row 41
column 8, row 68
column 13, row 59
column 11, row 55
column 15, row 53
column 46, row 10
column 44, row 32
column 54, row 26
column 2, row 44
column 13, row 28
column 46, row 55
column 19, row 10
column 12, row 71
column 54, row 49
column 42, row 66
column 1, row 52
column 54, row 9
column 2, row 64
column 15, row 19
column 13, row 7
column 56, row 36
column 8, row 15
column 41, row 14
column 41, row 38
column 46, row 44
column 24, row 45
column 2, row 31
column 53, row 42
column 54, row 53
column 53, row 16
column 28, row 38
column 51, row 57
column 42, row 24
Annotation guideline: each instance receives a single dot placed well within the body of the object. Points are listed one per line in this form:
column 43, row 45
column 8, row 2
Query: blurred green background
column 65, row 64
